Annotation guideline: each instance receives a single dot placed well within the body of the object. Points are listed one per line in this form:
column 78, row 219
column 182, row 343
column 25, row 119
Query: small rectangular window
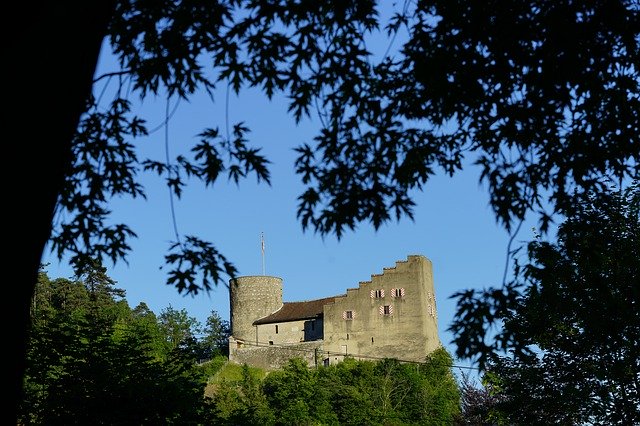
column 397, row 293
column 377, row 294
column 348, row 315
column 386, row 310
column 276, row 329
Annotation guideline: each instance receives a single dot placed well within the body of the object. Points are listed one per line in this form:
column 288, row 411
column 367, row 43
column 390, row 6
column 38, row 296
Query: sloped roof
column 293, row 311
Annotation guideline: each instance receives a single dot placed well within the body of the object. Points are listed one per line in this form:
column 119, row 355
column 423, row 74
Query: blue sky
column 454, row 225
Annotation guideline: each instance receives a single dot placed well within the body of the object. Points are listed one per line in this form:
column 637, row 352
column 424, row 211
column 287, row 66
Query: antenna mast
column 262, row 249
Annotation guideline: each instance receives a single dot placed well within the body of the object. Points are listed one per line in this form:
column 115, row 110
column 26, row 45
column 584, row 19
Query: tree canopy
column 93, row 359
column 545, row 114
column 566, row 347
column 351, row 392
column 543, row 96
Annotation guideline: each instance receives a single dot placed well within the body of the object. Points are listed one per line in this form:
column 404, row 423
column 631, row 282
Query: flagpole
column 262, row 249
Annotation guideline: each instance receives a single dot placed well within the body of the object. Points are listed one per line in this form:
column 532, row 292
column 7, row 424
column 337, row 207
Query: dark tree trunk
column 50, row 51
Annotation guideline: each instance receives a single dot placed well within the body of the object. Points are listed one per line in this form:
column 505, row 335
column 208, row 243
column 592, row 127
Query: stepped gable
column 294, row 311
column 374, row 277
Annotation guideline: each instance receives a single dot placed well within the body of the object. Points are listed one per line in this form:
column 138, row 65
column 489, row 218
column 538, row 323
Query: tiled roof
column 293, row 311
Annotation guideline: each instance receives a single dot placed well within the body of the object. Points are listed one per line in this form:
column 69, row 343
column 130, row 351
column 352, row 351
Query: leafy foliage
column 162, row 48
column 104, row 165
column 91, row 359
column 542, row 98
column 195, row 258
column 571, row 323
column 351, row 392
column 477, row 404
column 216, row 336
column 545, row 94
column 177, row 327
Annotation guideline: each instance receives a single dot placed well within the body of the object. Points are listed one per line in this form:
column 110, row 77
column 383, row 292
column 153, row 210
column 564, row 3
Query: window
column 271, row 342
column 377, row 294
column 276, row 329
column 372, row 340
column 348, row 315
column 386, row 310
column 397, row 293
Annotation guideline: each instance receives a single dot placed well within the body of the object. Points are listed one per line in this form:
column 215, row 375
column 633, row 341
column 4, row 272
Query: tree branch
column 112, row 74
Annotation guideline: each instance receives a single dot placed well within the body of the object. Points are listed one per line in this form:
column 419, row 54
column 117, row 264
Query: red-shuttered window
column 386, row 310
column 377, row 294
column 397, row 293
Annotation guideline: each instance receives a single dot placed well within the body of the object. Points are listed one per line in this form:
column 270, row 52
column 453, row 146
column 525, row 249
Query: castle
column 391, row 316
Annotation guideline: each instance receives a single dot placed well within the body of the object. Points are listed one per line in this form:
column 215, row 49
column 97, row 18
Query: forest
column 92, row 358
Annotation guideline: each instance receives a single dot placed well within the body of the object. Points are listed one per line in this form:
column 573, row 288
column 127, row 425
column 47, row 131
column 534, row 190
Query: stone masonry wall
column 290, row 331
column 273, row 357
column 252, row 298
column 390, row 316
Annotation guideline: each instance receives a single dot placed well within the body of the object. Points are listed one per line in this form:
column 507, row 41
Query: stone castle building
column 391, row 316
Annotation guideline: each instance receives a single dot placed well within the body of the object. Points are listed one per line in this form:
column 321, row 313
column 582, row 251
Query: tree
column 351, row 383
column 290, row 392
column 87, row 363
column 216, row 336
column 352, row 392
column 144, row 322
column 440, row 399
column 544, row 97
column 241, row 403
column 177, row 327
column 477, row 404
column 395, row 387
column 571, row 321
column 67, row 38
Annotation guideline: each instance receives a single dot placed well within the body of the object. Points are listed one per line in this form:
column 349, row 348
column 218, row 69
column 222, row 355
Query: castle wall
column 393, row 315
column 251, row 298
column 359, row 323
column 290, row 331
column 273, row 357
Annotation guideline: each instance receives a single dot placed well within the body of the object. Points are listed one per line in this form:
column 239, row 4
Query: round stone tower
column 251, row 298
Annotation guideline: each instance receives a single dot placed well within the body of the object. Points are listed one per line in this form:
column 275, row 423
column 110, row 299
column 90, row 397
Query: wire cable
column 291, row 347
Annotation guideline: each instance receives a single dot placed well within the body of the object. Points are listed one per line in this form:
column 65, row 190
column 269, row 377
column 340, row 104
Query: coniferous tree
column 92, row 360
